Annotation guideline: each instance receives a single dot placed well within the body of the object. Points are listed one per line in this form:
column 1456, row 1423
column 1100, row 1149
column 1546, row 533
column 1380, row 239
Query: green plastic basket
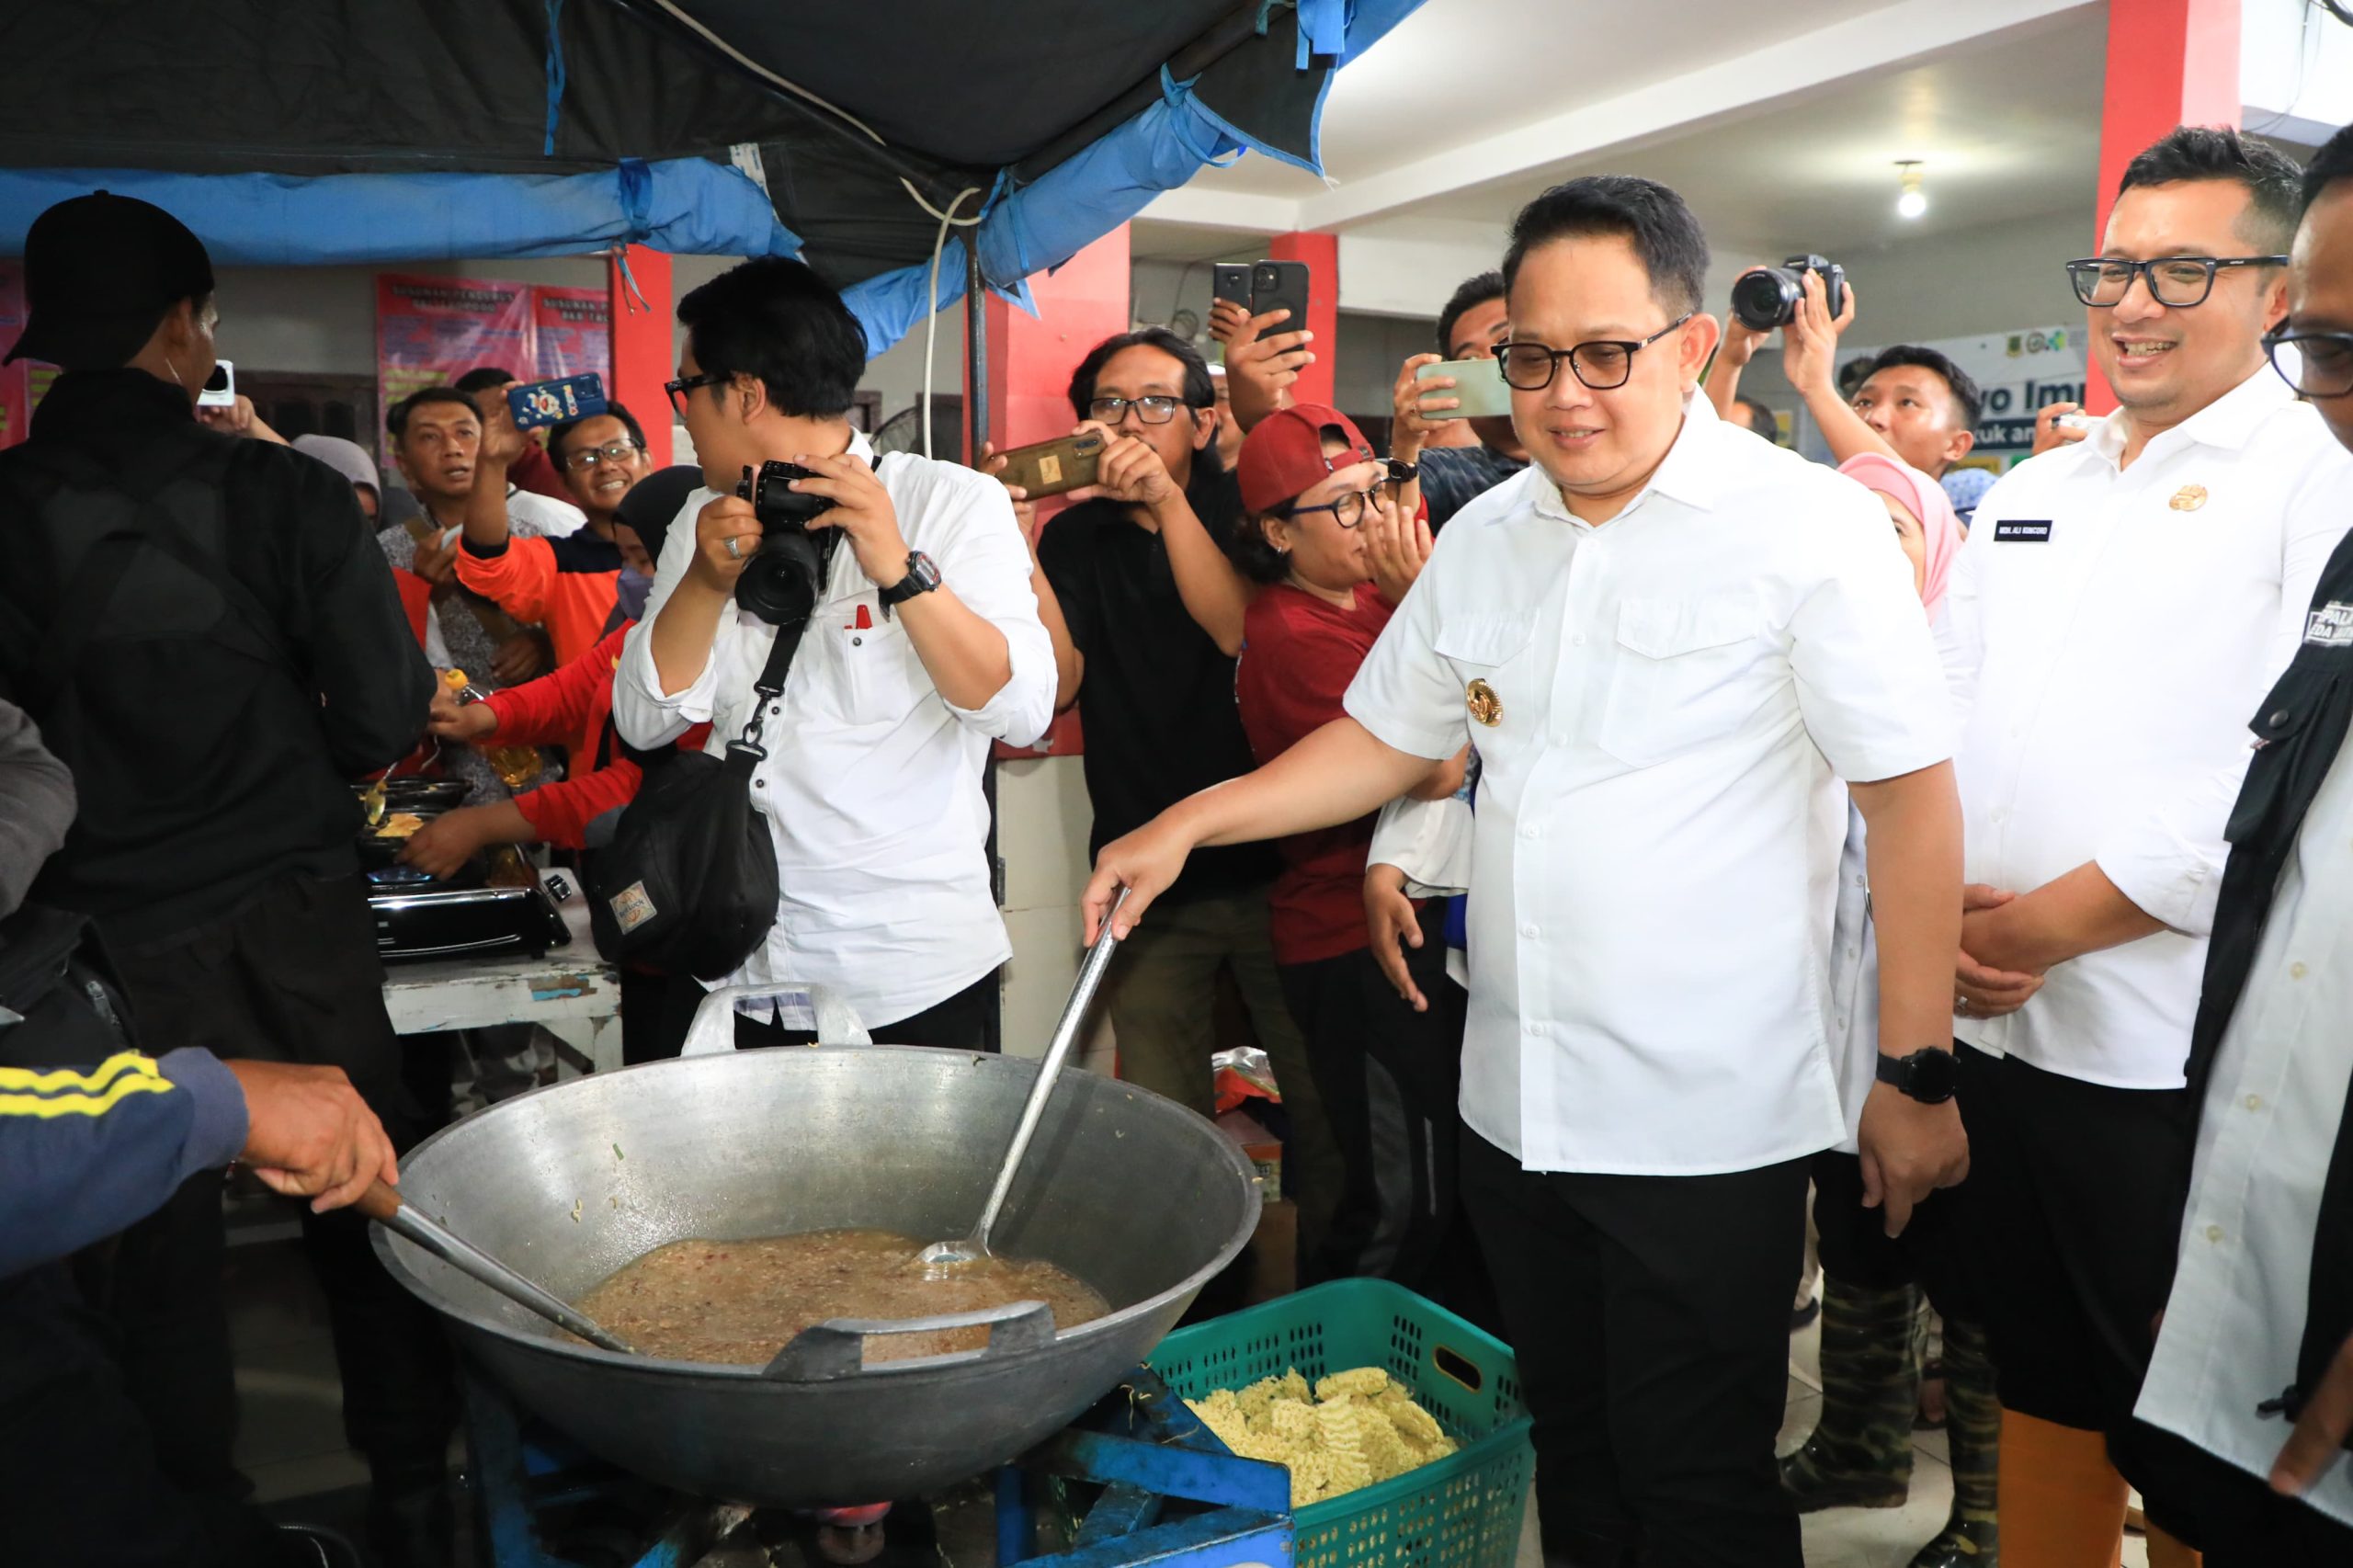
column 1462, row 1512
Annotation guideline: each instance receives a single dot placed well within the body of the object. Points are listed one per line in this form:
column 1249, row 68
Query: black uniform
column 207, row 635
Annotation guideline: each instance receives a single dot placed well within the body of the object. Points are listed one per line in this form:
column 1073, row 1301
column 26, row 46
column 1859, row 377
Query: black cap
column 100, row 270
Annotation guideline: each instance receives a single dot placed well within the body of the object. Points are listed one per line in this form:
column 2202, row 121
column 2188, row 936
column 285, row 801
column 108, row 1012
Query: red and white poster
column 430, row 331
column 574, row 330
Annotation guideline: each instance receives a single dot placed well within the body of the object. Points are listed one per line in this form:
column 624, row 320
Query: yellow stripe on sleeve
column 23, row 1080
column 43, row 1106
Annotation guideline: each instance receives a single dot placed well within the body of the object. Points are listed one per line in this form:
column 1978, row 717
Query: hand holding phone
column 1479, row 391
column 219, row 388
column 538, row 403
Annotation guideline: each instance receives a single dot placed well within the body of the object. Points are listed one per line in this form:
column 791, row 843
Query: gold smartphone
column 1051, row 468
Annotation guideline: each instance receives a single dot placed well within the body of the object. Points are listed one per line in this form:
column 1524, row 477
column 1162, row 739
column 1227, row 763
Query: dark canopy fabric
column 962, row 95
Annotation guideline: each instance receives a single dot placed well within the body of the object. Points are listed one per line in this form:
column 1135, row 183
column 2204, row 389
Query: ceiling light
column 1913, row 201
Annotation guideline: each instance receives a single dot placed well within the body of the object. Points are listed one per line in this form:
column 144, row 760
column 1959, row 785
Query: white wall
column 2295, row 70
column 1995, row 279
column 318, row 320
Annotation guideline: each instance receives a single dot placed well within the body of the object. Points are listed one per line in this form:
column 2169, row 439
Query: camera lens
column 1766, row 299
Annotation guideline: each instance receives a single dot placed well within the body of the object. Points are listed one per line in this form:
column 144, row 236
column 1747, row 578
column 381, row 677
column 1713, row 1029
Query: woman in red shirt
column 1318, row 501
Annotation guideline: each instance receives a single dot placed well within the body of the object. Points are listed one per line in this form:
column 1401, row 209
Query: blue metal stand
column 1164, row 1493
column 1152, row 1458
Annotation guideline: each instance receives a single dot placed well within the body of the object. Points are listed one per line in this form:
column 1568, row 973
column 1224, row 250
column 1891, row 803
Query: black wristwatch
column 921, row 578
column 1928, row 1075
column 1400, row 470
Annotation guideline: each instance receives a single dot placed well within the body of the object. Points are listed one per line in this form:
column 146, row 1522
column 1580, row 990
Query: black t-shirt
column 1157, row 700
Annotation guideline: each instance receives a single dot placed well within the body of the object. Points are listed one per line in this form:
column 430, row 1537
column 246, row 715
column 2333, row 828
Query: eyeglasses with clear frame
column 2323, row 362
column 2176, row 282
column 1603, row 364
column 588, row 458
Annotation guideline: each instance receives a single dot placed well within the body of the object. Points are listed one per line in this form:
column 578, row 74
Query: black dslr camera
column 780, row 585
column 1769, row 296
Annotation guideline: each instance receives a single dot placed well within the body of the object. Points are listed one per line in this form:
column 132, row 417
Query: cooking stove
column 1136, row 1481
column 418, row 917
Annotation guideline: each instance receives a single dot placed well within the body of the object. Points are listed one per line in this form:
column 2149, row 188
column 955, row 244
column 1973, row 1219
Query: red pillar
column 1322, row 254
column 641, row 343
column 2169, row 62
column 1030, row 363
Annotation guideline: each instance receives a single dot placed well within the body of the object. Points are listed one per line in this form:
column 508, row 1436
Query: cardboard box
column 1260, row 1147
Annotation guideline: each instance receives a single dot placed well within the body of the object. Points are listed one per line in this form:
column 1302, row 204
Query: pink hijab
column 1925, row 499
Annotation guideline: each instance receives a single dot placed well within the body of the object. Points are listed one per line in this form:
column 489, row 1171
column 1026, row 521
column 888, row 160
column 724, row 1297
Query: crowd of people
column 1611, row 840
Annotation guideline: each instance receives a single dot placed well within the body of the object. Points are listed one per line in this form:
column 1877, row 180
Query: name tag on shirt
column 2022, row 530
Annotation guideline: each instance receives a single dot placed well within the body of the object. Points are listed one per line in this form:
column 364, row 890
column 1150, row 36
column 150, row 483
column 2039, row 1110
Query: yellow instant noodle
column 1346, row 1431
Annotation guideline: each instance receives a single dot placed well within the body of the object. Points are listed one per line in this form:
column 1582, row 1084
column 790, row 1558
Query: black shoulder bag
column 688, row 884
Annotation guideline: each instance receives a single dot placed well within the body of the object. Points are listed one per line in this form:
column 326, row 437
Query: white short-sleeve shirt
column 2109, row 632
column 1659, row 824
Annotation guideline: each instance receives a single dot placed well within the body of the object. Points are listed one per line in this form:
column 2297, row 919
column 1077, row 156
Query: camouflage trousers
column 1860, row 1453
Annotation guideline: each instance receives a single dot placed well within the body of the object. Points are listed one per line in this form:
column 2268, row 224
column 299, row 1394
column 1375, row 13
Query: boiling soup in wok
column 740, row 1301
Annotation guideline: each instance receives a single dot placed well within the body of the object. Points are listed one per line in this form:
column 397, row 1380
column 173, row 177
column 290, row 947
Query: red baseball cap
column 1283, row 457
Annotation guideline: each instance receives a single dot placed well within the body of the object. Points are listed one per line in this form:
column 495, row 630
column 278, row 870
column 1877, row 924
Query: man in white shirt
column 924, row 647
column 2256, row 1326
column 2120, row 608
column 1667, row 641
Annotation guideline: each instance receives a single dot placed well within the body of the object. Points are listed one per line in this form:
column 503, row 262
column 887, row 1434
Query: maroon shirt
column 1298, row 654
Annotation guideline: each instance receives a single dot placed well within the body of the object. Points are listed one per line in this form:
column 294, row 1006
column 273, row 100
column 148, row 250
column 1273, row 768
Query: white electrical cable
column 931, row 316
column 947, row 220
column 798, row 91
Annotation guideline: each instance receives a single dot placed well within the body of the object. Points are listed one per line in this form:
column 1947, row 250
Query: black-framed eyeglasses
column 2175, row 281
column 2323, row 362
column 1158, row 408
column 1347, row 510
column 1602, row 365
column 684, row 384
column 588, row 458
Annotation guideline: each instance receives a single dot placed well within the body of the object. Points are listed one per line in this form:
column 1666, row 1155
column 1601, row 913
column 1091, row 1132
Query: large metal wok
column 1134, row 1194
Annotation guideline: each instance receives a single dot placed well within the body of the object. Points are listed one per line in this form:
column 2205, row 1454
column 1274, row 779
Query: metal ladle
column 948, row 1255
column 384, row 1205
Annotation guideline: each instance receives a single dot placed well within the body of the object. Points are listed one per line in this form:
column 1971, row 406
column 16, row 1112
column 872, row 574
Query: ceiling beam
column 1890, row 39
column 1202, row 208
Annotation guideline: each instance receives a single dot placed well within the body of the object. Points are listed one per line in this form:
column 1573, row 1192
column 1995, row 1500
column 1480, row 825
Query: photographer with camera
column 923, row 644
column 1913, row 404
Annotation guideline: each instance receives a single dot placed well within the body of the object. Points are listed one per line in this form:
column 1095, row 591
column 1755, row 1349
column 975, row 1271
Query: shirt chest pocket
column 1683, row 673
column 871, row 672
column 1502, row 687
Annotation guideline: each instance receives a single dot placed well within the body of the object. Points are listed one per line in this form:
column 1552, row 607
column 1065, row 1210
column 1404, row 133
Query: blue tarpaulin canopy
column 392, row 131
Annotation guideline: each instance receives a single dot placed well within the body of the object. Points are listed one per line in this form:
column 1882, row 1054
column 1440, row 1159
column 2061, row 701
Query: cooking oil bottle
column 515, row 766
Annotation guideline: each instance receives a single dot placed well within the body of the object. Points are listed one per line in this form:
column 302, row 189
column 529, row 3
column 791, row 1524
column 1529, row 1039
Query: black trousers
column 2073, row 1213
column 292, row 976
column 1931, row 1252
column 1389, row 1078
column 961, row 1023
column 2234, row 1518
column 81, row 1481
column 1651, row 1316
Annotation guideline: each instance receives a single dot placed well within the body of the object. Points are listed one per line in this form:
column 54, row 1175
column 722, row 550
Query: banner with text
column 2017, row 372
column 430, row 331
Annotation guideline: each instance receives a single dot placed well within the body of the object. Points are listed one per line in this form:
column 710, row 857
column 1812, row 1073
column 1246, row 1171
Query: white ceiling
column 2007, row 132
column 2007, row 123
column 1458, row 70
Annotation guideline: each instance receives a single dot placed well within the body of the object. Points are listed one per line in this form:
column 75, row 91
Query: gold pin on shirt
column 1484, row 705
column 2188, row 498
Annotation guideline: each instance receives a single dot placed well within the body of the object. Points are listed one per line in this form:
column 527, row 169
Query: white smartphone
column 2076, row 422
column 219, row 388
column 1479, row 385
